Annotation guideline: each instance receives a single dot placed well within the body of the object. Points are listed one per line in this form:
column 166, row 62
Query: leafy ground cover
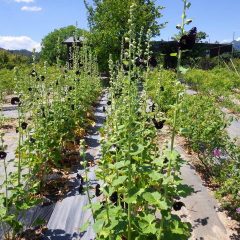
column 220, row 83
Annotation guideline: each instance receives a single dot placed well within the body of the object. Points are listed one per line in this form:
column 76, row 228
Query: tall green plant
column 134, row 172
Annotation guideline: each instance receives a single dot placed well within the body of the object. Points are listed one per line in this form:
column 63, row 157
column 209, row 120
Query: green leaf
column 184, row 131
column 98, row 225
column 119, row 180
column 137, row 149
column 146, row 224
column 155, row 176
column 173, row 54
column 148, row 197
column 133, row 193
column 85, row 226
column 163, row 205
column 154, row 198
column 121, row 164
column 23, row 206
column 183, row 70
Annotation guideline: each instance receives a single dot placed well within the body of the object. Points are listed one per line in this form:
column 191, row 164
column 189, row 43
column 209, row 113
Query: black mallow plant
column 50, row 119
column 138, row 187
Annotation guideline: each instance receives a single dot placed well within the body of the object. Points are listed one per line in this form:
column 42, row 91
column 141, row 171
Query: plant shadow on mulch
column 235, row 236
column 62, row 182
column 209, row 183
column 59, row 234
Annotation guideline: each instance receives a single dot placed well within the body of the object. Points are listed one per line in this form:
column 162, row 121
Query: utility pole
column 232, row 44
column 219, row 51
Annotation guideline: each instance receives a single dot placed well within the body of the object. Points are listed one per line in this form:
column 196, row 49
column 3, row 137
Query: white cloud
column 24, row 1
column 18, row 43
column 230, row 40
column 31, row 9
column 226, row 41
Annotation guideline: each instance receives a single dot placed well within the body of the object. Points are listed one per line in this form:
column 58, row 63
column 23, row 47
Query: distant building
column 214, row 49
column 200, row 49
column 70, row 42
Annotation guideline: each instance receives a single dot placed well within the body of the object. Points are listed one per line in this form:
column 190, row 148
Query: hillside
column 10, row 59
column 22, row 52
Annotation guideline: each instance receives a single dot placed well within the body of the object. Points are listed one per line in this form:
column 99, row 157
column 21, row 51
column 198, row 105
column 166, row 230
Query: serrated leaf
column 121, row 164
column 146, row 224
column 148, row 197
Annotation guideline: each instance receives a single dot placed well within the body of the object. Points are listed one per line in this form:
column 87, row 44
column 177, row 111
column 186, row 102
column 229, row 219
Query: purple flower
column 238, row 210
column 217, row 153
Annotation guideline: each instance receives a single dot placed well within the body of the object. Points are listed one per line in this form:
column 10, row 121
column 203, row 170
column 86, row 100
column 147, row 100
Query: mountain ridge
column 21, row 52
column 236, row 45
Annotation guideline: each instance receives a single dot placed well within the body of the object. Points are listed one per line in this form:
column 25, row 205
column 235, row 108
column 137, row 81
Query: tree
column 108, row 21
column 201, row 36
column 53, row 41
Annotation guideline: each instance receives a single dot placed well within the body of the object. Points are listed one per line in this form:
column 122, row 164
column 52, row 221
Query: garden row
column 140, row 186
column 220, row 83
column 203, row 125
column 140, row 180
column 54, row 110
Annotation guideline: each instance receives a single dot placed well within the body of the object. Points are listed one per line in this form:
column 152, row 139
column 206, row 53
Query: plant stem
column 87, row 183
column 177, row 102
column 175, row 115
column 6, row 185
column 19, row 146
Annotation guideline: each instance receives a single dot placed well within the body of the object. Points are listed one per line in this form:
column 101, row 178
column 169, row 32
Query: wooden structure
column 70, row 42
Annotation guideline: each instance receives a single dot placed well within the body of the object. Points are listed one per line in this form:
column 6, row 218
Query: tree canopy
column 108, row 21
column 52, row 44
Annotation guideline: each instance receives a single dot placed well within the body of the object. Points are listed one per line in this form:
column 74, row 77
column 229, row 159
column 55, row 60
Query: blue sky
column 23, row 23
